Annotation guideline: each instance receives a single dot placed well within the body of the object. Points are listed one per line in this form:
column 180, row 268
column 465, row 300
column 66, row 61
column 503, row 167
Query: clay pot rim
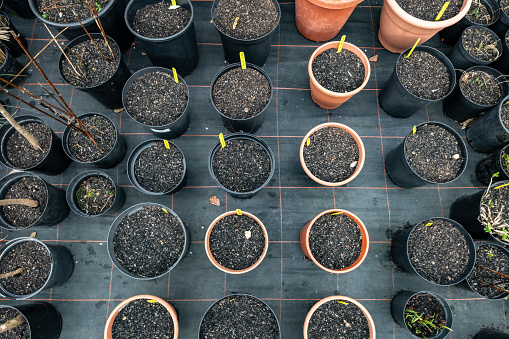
column 334, row 4
column 371, row 324
column 350, row 47
column 430, row 25
column 360, row 145
column 116, row 310
column 228, row 270
column 364, row 246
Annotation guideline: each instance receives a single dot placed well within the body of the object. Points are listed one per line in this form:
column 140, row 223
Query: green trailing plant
column 431, row 323
column 492, row 220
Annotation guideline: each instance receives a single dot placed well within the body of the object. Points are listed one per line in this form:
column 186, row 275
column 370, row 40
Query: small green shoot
column 44, row 16
column 430, row 323
column 99, row 8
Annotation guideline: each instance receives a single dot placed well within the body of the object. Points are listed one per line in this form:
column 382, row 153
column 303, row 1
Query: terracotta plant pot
column 328, row 99
column 360, row 162
column 371, row 323
column 111, row 318
column 321, row 20
column 304, row 241
column 228, row 270
column 399, row 30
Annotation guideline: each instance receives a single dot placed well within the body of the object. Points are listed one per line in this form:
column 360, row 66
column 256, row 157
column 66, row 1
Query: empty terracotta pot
column 399, row 30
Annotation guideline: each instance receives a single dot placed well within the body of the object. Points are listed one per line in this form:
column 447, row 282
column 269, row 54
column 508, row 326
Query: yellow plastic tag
column 336, row 213
column 175, row 76
column 236, row 22
column 174, row 2
column 444, row 7
column 221, row 139
column 308, row 142
column 340, row 47
column 504, row 185
column 415, row 45
column 166, row 144
column 414, row 130
column 239, row 212
column 429, row 224
column 342, row 302
column 242, row 60
column 165, row 211
column 151, row 301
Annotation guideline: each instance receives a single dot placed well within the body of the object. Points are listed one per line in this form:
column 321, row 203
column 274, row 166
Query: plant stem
column 31, row 139
column 26, row 202
column 10, row 324
column 495, row 287
column 493, row 271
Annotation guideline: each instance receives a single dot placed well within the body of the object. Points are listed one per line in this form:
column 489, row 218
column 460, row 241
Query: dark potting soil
column 241, row 93
column 431, row 309
column 424, row 75
column 495, row 211
column 504, row 113
column 26, row 188
column 338, row 72
column 63, row 12
column 20, row 152
column 335, row 241
column 332, row 154
column 504, row 6
column 141, row 319
column 148, row 242
column 494, row 258
column 159, row 169
column 104, row 133
column 479, row 13
column 160, row 20
column 155, row 99
column 88, row 66
column 242, row 165
column 95, row 195
column 35, row 261
column 338, row 319
column 438, row 252
column 434, row 153
column 480, row 87
column 19, row 332
column 237, row 242
column 429, row 9
column 480, row 44
column 240, row 317
column 246, row 19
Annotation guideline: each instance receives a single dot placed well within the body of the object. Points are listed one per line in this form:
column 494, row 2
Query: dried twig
column 26, row 202
column 21, row 130
column 10, row 274
column 10, row 324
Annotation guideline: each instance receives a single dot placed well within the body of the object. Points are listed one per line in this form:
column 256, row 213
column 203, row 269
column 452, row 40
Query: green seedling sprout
column 412, row 318
column 492, row 220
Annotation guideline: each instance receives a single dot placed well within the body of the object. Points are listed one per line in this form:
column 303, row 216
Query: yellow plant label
column 221, row 139
column 175, row 76
column 174, row 2
column 342, row 302
column 166, row 144
column 336, row 213
column 239, row 212
column 151, row 301
column 415, row 45
column 340, row 47
column 165, row 211
column 242, row 60
column 429, row 224
column 444, row 7
column 504, row 185
column 236, row 22
column 414, row 130
column 308, row 142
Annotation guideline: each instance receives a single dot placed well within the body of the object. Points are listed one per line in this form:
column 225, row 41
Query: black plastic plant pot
column 398, row 306
column 55, row 161
column 462, row 60
column 400, row 255
column 20, row 7
column 232, row 296
column 56, row 209
column 108, row 93
column 72, row 200
column 128, row 212
column 62, row 266
column 502, row 64
column 501, row 26
column 492, row 164
column 398, row 102
column 249, row 125
column 460, row 108
column 132, row 160
column 451, row 34
column 488, row 132
column 399, row 170
column 10, row 68
column 169, row 131
column 256, row 51
column 491, row 334
column 245, row 136
column 43, row 319
column 110, row 159
column 111, row 17
column 11, row 44
column 179, row 50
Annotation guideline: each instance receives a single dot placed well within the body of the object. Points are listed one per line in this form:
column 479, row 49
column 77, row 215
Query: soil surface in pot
column 504, row 6
column 242, row 165
column 26, row 188
column 148, row 242
column 504, row 114
column 439, row 251
column 429, row 308
column 91, row 64
column 480, row 44
column 239, row 316
column 332, row 154
column 159, row 169
column 19, row 332
column 155, row 99
column 335, row 241
column 141, row 319
column 95, row 195
column 104, row 133
column 338, row 72
column 338, row 319
column 493, row 258
column 20, row 152
column 241, row 93
column 479, row 13
column 424, row 75
column 429, row 9
column 237, row 242
column 53, row 10
column 160, row 20
column 495, row 211
column 35, row 261
column 480, row 88
column 246, row 19
column 434, row 153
